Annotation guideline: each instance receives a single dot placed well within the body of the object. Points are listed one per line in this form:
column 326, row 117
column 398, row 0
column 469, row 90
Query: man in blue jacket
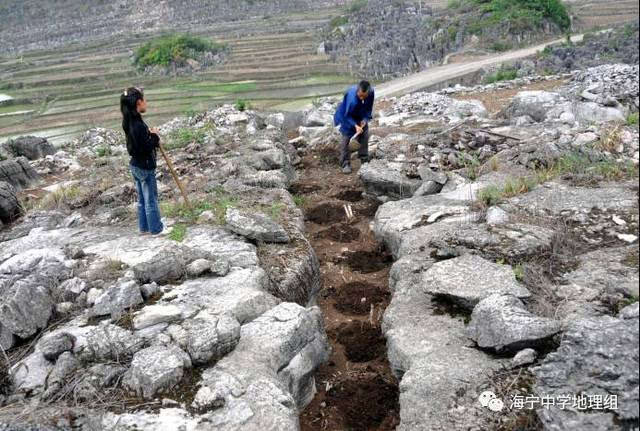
column 353, row 116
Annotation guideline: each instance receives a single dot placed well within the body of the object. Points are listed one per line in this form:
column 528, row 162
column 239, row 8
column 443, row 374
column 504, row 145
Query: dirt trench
column 356, row 388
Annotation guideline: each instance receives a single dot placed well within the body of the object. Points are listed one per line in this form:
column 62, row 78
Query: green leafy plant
column 174, row 49
column 242, row 105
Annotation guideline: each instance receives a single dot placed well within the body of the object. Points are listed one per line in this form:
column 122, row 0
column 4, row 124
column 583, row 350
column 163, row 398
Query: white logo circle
column 486, row 397
column 496, row 405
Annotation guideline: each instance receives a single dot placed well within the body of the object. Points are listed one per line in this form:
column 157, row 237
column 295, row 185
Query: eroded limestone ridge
column 511, row 214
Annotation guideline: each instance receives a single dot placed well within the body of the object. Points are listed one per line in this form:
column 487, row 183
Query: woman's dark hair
column 128, row 106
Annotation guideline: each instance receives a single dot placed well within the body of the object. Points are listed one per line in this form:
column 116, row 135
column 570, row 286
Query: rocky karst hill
column 384, row 39
column 35, row 24
column 509, row 212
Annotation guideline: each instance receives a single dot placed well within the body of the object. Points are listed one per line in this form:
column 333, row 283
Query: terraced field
column 603, row 13
column 274, row 64
column 62, row 92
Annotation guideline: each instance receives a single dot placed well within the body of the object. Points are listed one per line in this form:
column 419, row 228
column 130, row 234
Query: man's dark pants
column 363, row 151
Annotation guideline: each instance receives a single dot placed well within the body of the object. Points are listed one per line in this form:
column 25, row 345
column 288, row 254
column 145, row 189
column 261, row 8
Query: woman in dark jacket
column 141, row 145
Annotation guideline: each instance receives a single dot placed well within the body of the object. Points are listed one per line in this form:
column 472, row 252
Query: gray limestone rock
column 535, row 104
column 501, row 322
column 154, row 314
column 125, row 294
column 597, row 356
column 242, row 294
column 524, row 357
column 31, row 147
column 496, row 216
column 10, row 208
column 18, row 172
column 107, row 342
column 269, row 376
column 469, row 279
column 380, row 179
column 198, row 267
column 156, row 369
column 207, row 337
column 56, row 344
column 429, row 352
column 255, row 226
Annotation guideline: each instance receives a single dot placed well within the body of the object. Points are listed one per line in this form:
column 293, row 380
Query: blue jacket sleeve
column 351, row 101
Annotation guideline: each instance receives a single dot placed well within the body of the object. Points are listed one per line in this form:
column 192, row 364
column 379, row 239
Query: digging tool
column 174, row 174
column 353, row 142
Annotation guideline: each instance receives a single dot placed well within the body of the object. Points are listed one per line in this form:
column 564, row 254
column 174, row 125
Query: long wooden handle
column 174, row 175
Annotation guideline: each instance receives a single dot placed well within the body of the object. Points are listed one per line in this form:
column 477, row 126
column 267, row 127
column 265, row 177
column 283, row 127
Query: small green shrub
column 632, row 119
column 338, row 21
column 173, row 49
column 501, row 46
column 104, row 151
column 504, row 74
column 242, row 105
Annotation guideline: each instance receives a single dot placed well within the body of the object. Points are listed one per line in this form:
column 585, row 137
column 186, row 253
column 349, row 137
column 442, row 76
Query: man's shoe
column 346, row 170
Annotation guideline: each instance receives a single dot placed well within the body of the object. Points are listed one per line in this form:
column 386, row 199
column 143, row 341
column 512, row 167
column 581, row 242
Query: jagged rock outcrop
column 10, row 208
column 501, row 322
column 18, row 172
column 599, row 357
column 31, row 147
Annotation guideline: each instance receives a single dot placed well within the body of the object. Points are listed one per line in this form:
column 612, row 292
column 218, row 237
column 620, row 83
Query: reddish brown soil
column 339, row 233
column 356, row 389
column 358, row 298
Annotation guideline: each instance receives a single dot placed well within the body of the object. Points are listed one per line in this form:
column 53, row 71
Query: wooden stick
column 500, row 135
column 174, row 175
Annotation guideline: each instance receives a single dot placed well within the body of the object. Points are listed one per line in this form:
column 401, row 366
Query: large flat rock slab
column 423, row 345
column 241, row 294
column 469, row 279
column 555, row 198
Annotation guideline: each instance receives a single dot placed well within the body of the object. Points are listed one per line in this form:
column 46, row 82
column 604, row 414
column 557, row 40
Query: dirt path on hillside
column 439, row 74
column 356, row 389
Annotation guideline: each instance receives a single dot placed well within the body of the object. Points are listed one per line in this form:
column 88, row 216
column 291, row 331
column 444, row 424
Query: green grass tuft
column 300, row 201
column 180, row 138
column 178, row 232
column 632, row 119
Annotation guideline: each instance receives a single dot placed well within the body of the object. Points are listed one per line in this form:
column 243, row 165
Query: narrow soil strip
column 356, row 388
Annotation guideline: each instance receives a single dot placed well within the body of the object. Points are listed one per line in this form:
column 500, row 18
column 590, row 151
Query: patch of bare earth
column 356, row 388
